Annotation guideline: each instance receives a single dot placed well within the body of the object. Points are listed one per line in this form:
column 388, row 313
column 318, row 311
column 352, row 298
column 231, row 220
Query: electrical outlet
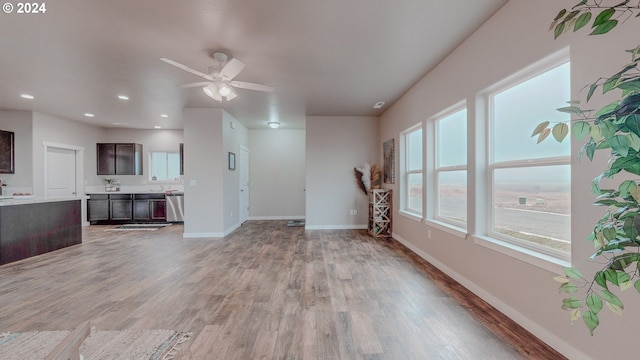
column 428, row 234
column 353, row 212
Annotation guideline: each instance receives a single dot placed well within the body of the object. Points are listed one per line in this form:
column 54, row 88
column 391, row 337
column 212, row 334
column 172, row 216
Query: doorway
column 244, row 184
column 62, row 170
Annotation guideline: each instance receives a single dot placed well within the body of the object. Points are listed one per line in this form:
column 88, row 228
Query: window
column 450, row 171
column 164, row 166
column 412, row 174
column 529, row 182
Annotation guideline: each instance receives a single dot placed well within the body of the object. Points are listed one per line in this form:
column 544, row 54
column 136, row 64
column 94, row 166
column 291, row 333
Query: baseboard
column 335, row 227
column 536, row 329
column 202, row 235
column 231, row 229
column 292, row 217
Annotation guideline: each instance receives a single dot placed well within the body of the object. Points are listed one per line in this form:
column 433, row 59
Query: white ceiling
column 324, row 57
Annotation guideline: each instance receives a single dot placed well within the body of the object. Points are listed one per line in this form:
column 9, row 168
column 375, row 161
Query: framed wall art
column 389, row 165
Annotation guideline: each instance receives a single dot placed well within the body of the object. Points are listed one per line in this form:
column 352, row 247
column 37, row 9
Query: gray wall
column 335, row 145
column 277, row 174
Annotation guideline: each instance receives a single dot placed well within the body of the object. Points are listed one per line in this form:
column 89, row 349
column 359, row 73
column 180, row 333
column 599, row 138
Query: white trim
column 529, row 256
column 533, row 327
column 292, row 217
column 231, row 229
column 335, row 227
column 446, row 227
column 410, row 215
column 202, row 235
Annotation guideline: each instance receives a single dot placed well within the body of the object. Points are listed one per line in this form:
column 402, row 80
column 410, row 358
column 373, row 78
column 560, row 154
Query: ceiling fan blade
column 233, row 68
column 198, row 84
column 251, row 86
column 186, row 68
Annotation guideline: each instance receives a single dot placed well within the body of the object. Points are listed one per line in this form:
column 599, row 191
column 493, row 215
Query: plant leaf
column 607, row 110
column 600, row 279
column 591, row 320
column 572, row 273
column 560, row 14
column 596, row 133
column 604, row 27
column 559, row 29
column 594, row 303
column 591, row 148
column 635, row 193
column 571, row 110
column 543, row 125
column 620, row 144
column 582, row 21
column 581, row 129
column 611, row 298
column 561, row 130
column 614, row 309
column 632, row 122
column 574, row 315
column 568, row 288
column 561, row 279
column 610, row 84
column 637, row 285
column 543, row 135
column 571, row 303
column 627, row 187
column 592, row 89
column 603, row 17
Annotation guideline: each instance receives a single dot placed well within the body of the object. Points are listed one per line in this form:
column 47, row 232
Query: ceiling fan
column 220, row 83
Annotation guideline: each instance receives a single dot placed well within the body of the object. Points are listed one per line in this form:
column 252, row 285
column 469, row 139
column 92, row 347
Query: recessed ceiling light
column 123, row 97
column 164, row 115
column 89, row 115
column 27, row 96
column 158, row 127
column 378, row 105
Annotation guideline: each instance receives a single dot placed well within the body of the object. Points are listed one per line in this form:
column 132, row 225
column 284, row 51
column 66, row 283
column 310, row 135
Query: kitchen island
column 33, row 226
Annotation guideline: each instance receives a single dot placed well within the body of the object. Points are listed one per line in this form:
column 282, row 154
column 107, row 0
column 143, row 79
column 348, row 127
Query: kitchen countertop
column 22, row 200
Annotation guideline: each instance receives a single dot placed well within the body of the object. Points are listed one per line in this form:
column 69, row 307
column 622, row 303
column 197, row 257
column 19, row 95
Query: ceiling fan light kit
column 220, row 82
column 273, row 124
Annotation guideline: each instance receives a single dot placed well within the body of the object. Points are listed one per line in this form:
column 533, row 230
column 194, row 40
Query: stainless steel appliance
column 175, row 207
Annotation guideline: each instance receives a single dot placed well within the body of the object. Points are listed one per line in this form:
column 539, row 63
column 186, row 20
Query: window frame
column 521, row 77
column 152, row 173
column 404, row 184
column 437, row 169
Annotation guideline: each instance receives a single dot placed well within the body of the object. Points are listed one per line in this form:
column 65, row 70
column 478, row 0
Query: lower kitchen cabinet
column 126, row 208
column 149, row 207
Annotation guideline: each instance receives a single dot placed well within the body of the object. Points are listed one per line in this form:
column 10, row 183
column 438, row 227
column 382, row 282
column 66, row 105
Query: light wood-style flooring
column 266, row 291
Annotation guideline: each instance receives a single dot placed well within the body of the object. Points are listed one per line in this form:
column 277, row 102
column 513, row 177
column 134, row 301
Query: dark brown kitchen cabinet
column 98, row 207
column 7, row 155
column 119, row 159
column 121, row 206
column 125, row 208
column 149, row 207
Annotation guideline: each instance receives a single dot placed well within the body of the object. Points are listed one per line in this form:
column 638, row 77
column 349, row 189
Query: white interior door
column 243, row 167
column 61, row 172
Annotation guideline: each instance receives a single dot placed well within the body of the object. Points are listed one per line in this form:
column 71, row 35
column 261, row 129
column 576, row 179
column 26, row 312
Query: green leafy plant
column 614, row 128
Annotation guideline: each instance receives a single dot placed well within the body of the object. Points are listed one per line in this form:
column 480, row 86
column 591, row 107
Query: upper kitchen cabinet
column 119, row 159
column 7, row 156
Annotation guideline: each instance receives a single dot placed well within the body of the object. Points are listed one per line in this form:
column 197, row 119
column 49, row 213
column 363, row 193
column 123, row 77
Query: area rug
column 127, row 344
column 137, row 227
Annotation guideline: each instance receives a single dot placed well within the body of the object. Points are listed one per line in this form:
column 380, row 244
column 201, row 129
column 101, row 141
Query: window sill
column 448, row 228
column 528, row 256
column 410, row 215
